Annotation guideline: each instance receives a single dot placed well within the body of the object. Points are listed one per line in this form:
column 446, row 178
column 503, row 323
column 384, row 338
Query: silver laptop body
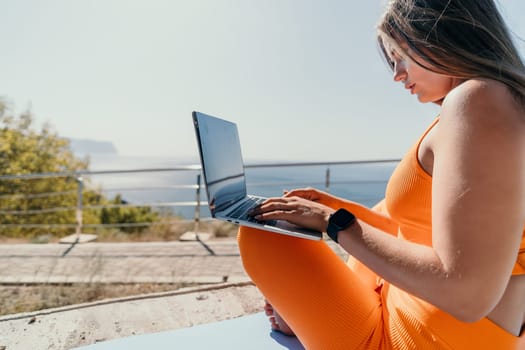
column 224, row 178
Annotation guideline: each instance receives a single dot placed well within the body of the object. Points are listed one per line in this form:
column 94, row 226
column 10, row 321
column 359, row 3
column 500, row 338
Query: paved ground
column 162, row 262
column 226, row 291
column 212, row 261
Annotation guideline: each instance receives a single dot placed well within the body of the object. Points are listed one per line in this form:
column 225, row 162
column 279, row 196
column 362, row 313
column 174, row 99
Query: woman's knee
column 265, row 253
column 251, row 247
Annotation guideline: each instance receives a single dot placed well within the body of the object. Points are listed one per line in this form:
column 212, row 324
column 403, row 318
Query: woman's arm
column 376, row 216
column 478, row 207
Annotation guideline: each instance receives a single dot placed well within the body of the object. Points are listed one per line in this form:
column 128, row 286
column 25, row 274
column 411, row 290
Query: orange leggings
column 331, row 304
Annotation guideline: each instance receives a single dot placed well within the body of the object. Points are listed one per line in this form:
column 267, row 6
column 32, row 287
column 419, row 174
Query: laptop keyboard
column 243, row 211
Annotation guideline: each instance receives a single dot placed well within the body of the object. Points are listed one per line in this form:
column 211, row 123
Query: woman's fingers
column 281, row 206
column 306, row 193
column 295, row 210
column 275, row 214
column 276, row 209
column 276, row 205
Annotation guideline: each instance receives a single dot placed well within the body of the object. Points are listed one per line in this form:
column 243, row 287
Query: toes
column 283, row 326
column 268, row 309
column 277, row 323
column 274, row 324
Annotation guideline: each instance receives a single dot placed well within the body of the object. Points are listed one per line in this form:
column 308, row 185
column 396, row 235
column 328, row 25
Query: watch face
column 342, row 218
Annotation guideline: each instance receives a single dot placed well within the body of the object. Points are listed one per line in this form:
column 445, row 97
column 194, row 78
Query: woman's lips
column 410, row 87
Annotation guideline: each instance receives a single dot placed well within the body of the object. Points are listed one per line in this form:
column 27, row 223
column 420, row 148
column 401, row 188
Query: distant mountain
column 85, row 146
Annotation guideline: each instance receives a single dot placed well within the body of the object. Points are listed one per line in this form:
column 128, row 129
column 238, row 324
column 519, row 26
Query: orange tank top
column 408, row 201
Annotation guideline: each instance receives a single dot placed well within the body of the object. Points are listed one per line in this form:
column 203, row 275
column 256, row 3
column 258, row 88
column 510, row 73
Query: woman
column 440, row 263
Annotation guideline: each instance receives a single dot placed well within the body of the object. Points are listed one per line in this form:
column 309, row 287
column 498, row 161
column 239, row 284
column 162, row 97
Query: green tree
column 48, row 200
column 127, row 215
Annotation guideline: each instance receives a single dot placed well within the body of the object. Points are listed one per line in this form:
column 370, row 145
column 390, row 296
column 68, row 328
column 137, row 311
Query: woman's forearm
column 375, row 217
column 418, row 270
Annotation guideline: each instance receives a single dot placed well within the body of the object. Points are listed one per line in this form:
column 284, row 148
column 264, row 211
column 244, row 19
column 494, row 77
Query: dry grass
column 27, row 298
column 167, row 230
column 170, row 231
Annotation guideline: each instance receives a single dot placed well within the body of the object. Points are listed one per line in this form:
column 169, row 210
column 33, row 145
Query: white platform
column 248, row 332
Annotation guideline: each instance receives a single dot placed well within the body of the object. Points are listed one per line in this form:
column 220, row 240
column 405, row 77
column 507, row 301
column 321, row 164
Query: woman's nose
column 400, row 72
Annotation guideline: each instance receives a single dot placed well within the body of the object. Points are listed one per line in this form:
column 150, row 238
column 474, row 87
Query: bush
column 127, row 215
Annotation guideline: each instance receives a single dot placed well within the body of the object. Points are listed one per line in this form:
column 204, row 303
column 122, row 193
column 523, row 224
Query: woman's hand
column 315, row 195
column 296, row 210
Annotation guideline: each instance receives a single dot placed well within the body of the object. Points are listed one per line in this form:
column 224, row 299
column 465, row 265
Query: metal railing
column 327, row 182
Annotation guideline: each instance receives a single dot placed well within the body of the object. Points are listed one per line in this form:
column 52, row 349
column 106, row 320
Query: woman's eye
column 396, row 56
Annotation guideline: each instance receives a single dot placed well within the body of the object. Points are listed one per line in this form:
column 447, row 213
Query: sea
column 146, row 181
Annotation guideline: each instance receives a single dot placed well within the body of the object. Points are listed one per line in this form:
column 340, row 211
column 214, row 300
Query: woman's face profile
column 408, row 69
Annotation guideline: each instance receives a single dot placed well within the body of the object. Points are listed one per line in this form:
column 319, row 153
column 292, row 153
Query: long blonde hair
column 461, row 38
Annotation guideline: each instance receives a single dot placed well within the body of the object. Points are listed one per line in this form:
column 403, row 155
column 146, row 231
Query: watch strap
column 333, row 232
column 338, row 221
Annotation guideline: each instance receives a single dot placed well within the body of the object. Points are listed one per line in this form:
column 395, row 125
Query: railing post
column 197, row 207
column 327, row 180
column 80, row 190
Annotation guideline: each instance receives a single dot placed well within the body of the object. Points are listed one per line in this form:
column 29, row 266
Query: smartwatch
column 339, row 221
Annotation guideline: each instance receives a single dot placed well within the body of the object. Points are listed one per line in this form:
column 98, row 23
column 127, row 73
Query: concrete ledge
column 60, row 279
column 84, row 324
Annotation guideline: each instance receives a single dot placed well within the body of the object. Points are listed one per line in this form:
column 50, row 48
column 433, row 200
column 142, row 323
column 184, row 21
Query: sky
column 303, row 79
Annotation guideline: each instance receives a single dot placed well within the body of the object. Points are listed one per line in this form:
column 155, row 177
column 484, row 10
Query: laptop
column 224, row 178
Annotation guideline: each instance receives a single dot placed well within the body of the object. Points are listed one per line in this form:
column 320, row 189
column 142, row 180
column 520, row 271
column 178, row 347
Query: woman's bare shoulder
column 484, row 98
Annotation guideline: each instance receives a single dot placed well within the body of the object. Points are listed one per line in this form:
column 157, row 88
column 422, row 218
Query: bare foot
column 278, row 324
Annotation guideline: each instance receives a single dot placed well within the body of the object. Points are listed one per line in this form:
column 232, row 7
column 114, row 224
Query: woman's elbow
column 472, row 306
column 469, row 314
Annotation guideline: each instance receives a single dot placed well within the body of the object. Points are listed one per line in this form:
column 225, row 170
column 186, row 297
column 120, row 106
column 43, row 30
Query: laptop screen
column 221, row 160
